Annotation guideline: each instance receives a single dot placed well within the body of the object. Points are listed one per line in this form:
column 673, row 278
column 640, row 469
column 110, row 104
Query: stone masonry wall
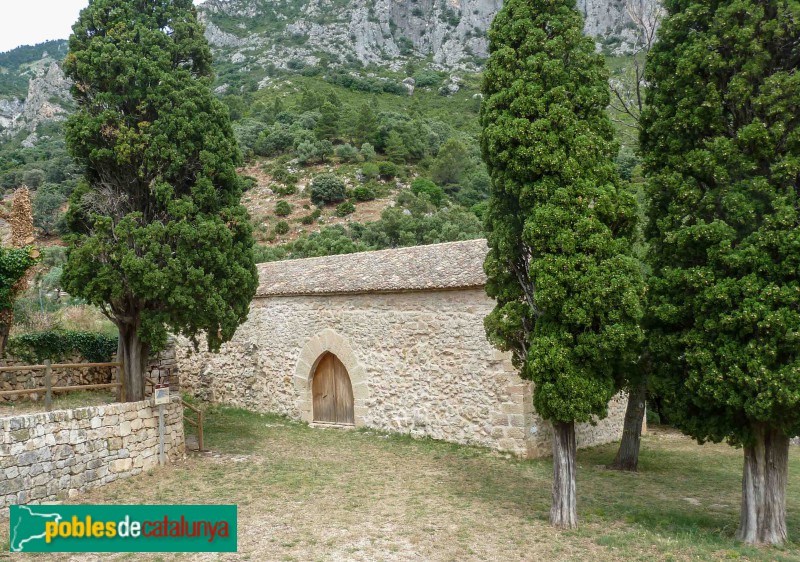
column 26, row 378
column 419, row 363
column 53, row 455
column 164, row 366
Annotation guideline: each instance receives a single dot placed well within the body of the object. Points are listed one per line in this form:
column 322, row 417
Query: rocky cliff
column 449, row 33
column 252, row 36
column 48, row 99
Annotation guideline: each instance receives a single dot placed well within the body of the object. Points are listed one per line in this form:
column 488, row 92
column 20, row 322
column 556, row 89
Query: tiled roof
column 418, row 268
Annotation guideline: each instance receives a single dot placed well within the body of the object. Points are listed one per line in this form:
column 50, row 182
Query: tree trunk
column 766, row 469
column 4, row 331
column 134, row 356
column 6, row 321
column 564, row 513
column 628, row 453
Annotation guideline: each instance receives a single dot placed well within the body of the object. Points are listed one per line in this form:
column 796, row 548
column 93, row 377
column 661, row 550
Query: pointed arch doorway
column 332, row 392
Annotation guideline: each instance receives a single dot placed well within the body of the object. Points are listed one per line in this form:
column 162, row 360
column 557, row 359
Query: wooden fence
column 48, row 389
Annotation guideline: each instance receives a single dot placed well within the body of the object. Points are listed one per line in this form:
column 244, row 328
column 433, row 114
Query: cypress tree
column 567, row 290
column 722, row 149
column 160, row 241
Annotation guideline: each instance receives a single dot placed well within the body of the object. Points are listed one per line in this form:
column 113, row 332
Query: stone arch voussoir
column 326, row 341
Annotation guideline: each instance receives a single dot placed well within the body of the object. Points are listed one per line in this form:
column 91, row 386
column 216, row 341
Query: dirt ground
column 321, row 494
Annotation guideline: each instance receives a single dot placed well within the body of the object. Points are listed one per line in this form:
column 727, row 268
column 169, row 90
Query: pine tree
column 722, row 149
column 396, row 150
column 160, row 241
column 328, row 124
column 364, row 125
column 567, row 291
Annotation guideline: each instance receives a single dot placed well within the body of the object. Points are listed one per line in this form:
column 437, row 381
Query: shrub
column 344, row 209
column 347, row 153
column 284, row 176
column 310, row 218
column 387, row 170
column 367, row 152
column 652, row 416
column 370, row 171
column 61, row 344
column 433, row 191
column 248, row 182
column 47, row 204
column 284, row 190
column 283, row 208
column 363, row 193
column 327, row 188
column 33, row 178
column 282, row 227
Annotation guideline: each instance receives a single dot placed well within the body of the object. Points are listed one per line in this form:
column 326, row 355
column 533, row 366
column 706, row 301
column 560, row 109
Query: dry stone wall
column 54, row 455
column 27, row 378
column 419, row 363
column 161, row 366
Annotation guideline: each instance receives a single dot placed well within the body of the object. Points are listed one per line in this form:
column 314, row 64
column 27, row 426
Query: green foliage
column 345, row 208
column 59, row 345
column 363, row 193
column 450, row 162
column 283, row 208
column 248, row 183
column 47, row 202
column 431, row 190
column 328, row 125
column 14, row 263
column 161, row 241
column 412, row 222
column 281, row 190
column 388, row 170
column 652, row 416
column 33, row 178
column 568, row 291
column 721, row 142
column 427, row 79
column 367, row 152
column 347, row 153
column 327, row 188
column 395, row 148
column 364, row 125
column 282, row 227
column 370, row 170
column 284, row 176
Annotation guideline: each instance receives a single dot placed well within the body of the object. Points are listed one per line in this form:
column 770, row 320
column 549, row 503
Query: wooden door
column 332, row 391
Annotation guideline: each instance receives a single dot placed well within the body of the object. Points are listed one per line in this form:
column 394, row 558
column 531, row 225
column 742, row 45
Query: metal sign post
column 161, row 398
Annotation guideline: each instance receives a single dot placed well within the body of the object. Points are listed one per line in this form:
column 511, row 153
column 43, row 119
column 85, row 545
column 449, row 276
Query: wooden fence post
column 48, row 385
column 200, row 431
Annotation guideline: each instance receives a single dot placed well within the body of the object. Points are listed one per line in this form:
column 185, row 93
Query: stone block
column 121, row 465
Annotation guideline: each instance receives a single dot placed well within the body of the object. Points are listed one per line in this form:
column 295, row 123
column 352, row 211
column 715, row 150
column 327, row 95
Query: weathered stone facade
column 418, row 360
column 49, row 456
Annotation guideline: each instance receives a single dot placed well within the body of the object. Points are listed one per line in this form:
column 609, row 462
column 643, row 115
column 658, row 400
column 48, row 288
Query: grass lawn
column 316, row 494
